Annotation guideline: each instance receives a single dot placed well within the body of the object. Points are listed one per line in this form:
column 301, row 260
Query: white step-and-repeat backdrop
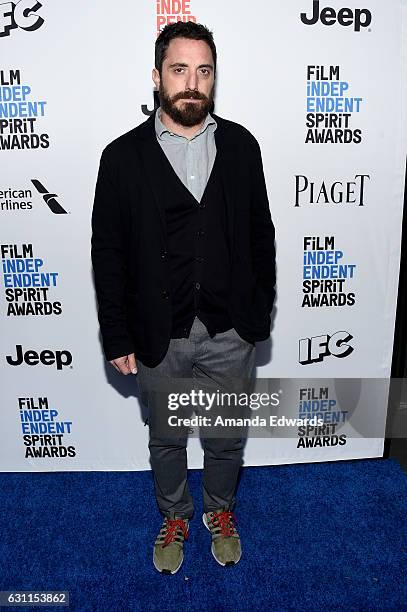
column 323, row 89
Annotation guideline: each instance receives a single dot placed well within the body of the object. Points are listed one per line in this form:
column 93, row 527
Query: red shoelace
column 172, row 526
column 223, row 521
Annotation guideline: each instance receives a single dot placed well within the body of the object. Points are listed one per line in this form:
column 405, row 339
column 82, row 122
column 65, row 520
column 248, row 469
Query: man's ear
column 156, row 78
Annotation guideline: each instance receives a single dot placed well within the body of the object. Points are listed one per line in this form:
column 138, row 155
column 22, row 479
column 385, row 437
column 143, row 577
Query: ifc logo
column 19, row 15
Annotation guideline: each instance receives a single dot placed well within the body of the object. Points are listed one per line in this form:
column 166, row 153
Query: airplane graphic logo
column 49, row 198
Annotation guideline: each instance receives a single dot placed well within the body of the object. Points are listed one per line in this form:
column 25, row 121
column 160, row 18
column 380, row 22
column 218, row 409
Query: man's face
column 187, row 81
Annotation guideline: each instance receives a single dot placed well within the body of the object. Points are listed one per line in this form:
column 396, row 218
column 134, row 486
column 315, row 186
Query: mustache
column 182, row 95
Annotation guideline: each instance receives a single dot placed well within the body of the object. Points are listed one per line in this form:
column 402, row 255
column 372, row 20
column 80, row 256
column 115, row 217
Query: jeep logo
column 361, row 18
column 47, row 357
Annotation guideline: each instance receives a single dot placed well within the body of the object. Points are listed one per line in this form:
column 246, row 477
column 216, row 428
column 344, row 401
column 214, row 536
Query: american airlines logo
column 49, row 198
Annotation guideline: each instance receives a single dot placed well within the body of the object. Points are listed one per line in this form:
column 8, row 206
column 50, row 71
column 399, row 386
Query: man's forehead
column 180, row 48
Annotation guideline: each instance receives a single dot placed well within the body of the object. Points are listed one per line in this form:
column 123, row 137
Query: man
column 183, row 257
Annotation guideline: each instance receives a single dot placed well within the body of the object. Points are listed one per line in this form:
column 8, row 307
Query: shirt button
column 192, row 176
column 165, row 295
column 197, row 286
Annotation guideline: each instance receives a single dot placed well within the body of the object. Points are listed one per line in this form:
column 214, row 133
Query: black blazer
column 129, row 253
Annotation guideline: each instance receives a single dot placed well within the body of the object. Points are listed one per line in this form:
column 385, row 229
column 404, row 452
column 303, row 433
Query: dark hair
column 182, row 29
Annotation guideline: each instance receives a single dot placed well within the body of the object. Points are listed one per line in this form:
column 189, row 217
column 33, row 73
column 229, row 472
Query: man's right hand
column 126, row 364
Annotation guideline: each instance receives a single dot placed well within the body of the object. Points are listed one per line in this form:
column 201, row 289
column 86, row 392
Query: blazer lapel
column 151, row 160
column 227, row 168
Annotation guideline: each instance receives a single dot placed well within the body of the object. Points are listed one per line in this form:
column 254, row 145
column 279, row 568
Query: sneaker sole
column 167, row 571
column 229, row 563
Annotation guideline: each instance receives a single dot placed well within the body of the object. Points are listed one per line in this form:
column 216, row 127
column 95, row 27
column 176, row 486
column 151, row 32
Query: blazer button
column 165, row 295
column 163, row 254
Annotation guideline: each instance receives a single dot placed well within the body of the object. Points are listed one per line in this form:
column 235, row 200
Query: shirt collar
column 160, row 128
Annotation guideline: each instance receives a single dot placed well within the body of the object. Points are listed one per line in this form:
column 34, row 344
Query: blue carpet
column 315, row 536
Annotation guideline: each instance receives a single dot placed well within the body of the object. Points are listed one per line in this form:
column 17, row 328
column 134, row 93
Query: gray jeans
column 211, row 362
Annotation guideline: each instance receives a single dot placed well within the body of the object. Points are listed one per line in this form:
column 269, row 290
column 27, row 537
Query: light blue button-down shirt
column 192, row 159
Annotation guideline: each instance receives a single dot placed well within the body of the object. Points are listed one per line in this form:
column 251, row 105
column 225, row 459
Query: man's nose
column 192, row 81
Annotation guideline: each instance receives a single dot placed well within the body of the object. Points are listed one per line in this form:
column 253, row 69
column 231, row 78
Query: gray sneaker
column 168, row 548
column 226, row 547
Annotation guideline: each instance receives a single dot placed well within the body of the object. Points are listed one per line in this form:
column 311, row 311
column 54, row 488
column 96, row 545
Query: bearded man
column 184, row 263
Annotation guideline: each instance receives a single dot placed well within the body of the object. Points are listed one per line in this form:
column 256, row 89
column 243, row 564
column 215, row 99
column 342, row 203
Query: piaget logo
column 311, row 191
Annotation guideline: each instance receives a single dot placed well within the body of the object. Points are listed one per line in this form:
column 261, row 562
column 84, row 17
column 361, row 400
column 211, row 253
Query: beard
column 188, row 114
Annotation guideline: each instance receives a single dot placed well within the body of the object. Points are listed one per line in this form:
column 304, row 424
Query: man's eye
column 179, row 69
